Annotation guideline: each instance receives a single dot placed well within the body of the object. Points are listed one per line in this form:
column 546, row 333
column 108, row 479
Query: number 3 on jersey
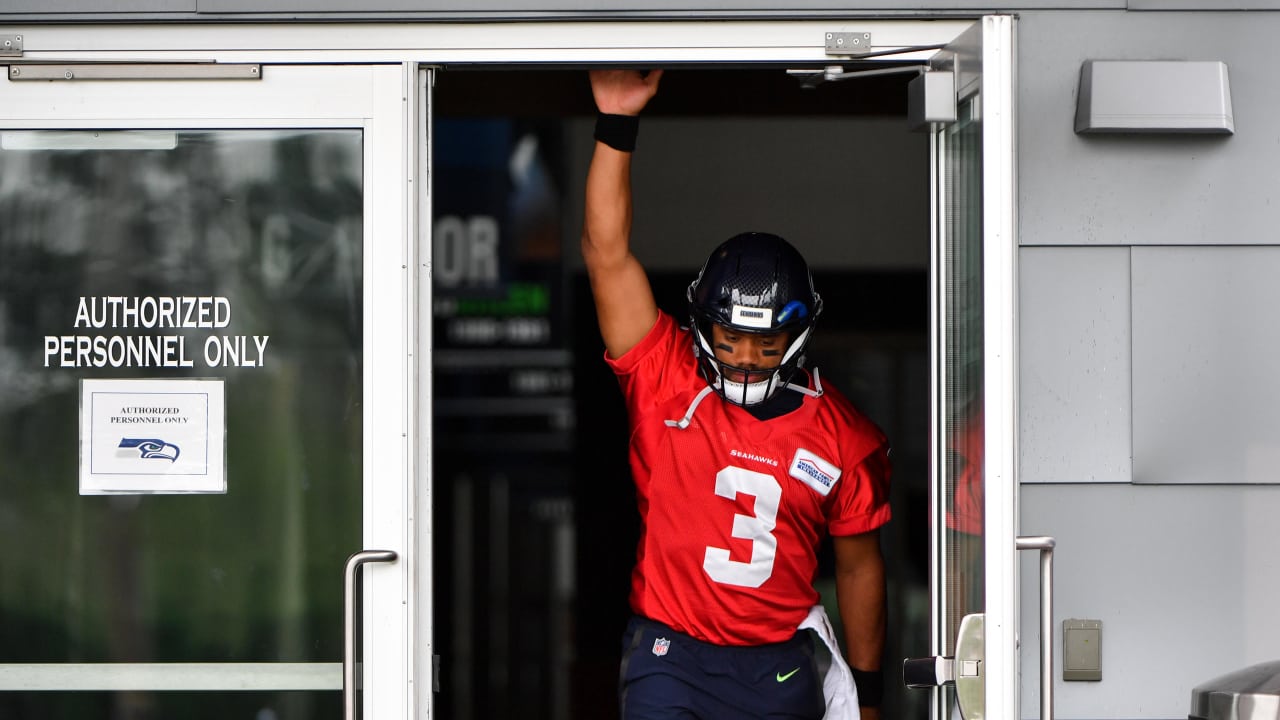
column 758, row 529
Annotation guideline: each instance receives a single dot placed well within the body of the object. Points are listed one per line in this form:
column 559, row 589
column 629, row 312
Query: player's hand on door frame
column 623, row 92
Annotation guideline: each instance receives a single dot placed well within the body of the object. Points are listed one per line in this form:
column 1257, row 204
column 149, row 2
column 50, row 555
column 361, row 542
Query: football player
column 743, row 461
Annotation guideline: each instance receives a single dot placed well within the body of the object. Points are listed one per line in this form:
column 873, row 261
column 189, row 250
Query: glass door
column 974, row 493
column 203, row 304
column 961, row 428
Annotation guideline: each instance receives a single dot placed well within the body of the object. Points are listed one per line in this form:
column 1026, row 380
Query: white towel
column 837, row 686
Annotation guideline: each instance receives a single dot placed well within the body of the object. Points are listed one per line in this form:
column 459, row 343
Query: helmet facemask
column 753, row 284
column 753, row 386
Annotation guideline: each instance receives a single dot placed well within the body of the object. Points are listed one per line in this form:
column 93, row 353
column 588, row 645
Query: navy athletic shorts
column 666, row 674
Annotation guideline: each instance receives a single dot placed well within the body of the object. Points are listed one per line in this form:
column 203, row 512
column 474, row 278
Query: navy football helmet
column 758, row 284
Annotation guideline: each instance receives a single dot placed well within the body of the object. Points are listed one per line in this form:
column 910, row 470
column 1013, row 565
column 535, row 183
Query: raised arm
column 624, row 301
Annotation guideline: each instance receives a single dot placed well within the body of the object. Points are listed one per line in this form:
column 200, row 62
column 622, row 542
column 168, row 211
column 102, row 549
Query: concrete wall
column 1147, row 391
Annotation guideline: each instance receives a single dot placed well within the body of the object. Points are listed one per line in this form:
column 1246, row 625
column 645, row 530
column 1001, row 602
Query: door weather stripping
column 10, row 46
column 135, row 71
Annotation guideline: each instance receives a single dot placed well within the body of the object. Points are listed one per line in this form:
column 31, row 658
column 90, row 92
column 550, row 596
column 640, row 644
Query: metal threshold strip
column 170, row 676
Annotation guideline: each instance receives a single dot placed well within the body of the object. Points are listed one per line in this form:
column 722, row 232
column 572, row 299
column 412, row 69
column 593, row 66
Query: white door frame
column 398, row 107
column 775, row 41
column 1000, row 326
column 982, row 66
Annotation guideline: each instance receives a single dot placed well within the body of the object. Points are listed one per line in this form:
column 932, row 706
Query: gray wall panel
column 1182, row 576
column 1206, row 391
column 1204, row 4
column 1074, row 365
column 1184, row 579
column 1129, row 189
column 294, row 6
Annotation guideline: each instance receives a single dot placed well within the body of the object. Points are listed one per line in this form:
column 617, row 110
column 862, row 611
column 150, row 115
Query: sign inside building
column 152, row 436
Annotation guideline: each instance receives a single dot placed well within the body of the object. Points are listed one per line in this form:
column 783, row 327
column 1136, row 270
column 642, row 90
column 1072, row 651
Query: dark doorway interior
column 535, row 520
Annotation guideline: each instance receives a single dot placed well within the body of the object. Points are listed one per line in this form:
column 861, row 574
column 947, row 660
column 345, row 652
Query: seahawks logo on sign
column 151, row 448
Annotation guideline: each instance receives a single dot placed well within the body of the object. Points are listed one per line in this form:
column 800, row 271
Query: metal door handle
column 928, row 672
column 350, row 623
column 964, row 670
column 1045, row 546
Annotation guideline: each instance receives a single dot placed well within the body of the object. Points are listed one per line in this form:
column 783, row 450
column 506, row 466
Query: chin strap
column 817, row 386
column 683, row 422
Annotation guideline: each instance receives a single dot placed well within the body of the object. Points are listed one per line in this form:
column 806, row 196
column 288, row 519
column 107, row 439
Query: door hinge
column 848, row 43
column 10, row 46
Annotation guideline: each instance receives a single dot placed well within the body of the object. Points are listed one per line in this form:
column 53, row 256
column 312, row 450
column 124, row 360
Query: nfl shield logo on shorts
column 660, row 646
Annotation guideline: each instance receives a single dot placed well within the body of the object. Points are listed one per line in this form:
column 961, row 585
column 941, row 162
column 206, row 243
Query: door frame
column 1000, row 370
column 411, row 46
column 982, row 63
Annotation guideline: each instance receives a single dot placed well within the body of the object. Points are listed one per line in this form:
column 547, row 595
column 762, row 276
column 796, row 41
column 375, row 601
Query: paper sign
column 152, row 436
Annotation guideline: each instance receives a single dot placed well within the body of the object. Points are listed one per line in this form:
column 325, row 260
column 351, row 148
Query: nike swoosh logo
column 783, row 678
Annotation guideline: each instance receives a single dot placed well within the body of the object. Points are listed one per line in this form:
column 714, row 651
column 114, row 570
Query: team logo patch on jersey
column 660, row 646
column 813, row 471
column 752, row 317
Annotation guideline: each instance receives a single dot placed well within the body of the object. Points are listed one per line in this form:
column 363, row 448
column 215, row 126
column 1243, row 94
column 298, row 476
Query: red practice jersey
column 732, row 509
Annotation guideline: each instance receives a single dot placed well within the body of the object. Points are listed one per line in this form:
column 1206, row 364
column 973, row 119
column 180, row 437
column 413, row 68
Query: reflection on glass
column 272, row 221
column 962, row 415
column 92, row 140
column 167, row 705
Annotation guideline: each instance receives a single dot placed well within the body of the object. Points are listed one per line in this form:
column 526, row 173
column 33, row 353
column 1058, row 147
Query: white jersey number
column 758, row 529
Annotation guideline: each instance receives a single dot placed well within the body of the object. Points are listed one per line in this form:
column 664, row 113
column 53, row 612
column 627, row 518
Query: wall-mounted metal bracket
column 848, row 43
column 10, row 46
column 812, row 78
column 931, row 99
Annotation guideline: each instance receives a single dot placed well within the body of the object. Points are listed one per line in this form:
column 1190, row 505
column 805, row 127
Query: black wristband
column 870, row 684
column 618, row 131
